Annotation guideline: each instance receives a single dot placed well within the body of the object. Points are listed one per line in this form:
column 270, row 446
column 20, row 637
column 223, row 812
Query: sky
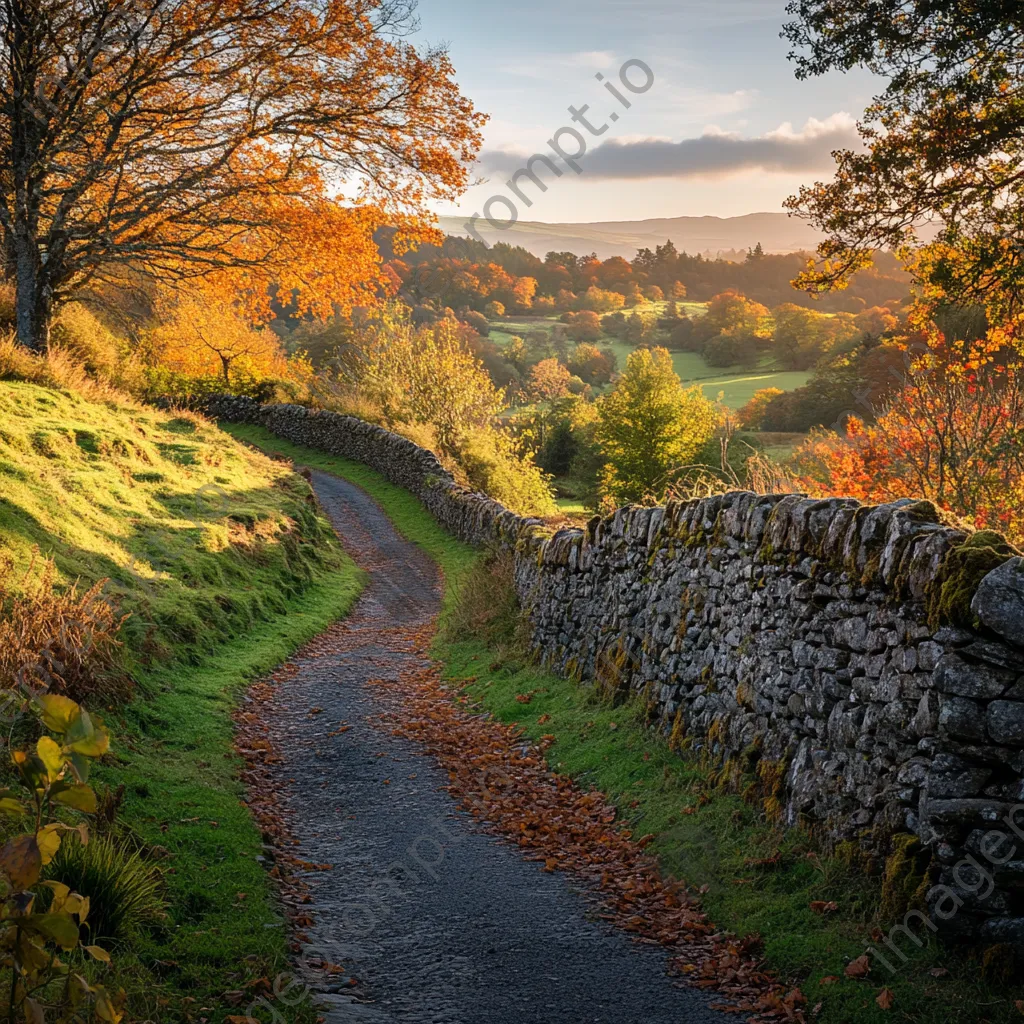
column 717, row 125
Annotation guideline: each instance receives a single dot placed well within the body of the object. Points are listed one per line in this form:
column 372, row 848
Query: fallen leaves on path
column 504, row 781
column 253, row 742
column 502, row 778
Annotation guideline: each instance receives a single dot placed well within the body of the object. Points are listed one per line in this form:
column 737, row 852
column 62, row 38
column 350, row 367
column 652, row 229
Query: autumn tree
column 953, row 433
column 583, row 326
column 944, row 141
column 423, row 376
column 650, row 426
column 197, row 138
column 751, row 415
column 801, row 337
column 549, row 380
column 592, row 365
column 730, row 311
column 202, row 335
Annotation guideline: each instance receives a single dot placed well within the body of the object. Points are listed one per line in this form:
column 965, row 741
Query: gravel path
column 437, row 921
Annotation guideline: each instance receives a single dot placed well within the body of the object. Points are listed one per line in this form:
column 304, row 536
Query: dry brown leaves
column 253, row 742
column 504, row 781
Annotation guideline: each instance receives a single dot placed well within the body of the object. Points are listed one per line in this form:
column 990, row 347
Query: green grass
column 736, row 384
column 714, row 846
column 199, row 537
column 225, row 565
column 571, row 506
column 173, row 753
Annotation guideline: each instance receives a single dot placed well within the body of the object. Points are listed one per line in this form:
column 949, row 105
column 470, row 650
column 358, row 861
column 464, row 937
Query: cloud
column 713, row 154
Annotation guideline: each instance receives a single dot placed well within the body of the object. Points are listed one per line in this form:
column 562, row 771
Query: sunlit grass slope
column 225, row 564
column 199, row 536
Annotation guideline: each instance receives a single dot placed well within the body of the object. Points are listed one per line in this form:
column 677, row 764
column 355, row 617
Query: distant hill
column 777, row 233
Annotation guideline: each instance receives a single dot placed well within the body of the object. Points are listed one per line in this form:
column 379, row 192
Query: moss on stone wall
column 963, row 568
column 905, row 880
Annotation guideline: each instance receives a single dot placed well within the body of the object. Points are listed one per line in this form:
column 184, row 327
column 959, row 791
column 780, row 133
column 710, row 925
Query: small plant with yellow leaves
column 32, row 938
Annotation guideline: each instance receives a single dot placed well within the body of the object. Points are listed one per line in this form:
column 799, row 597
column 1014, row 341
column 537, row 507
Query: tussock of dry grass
column 58, row 369
column 60, row 640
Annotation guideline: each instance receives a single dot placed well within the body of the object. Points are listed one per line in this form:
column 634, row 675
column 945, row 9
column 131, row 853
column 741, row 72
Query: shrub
column 77, row 332
column 583, row 326
column 126, row 892
column 56, row 369
column 491, row 465
column 52, row 774
column 7, row 307
column 477, row 321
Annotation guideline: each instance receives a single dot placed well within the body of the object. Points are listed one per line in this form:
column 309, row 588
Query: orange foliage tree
column 954, row 433
column 751, row 415
column 207, row 138
column 203, row 336
column 549, row 380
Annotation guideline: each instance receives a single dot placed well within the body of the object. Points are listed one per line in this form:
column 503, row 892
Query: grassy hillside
column 200, row 537
column 225, row 565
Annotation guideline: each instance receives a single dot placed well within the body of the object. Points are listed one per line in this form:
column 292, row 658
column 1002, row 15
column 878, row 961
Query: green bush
column 491, row 465
column 126, row 892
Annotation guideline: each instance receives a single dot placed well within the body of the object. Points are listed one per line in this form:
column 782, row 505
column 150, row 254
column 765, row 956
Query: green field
column 736, row 384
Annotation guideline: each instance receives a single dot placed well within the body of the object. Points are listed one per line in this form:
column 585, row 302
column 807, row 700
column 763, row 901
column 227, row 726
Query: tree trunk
column 33, row 304
column 225, row 363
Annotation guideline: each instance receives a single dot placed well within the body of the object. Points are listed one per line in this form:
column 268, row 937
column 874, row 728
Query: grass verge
column 756, row 876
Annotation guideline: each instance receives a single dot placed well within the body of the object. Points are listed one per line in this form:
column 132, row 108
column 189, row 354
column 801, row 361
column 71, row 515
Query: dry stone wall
column 828, row 647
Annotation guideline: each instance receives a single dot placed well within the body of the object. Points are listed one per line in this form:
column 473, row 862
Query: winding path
column 433, row 920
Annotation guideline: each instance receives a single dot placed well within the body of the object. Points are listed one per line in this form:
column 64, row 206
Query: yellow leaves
column 204, row 332
column 48, row 841
column 58, row 712
column 76, row 795
column 107, row 1008
column 11, row 805
column 40, row 935
column 51, row 755
column 60, row 928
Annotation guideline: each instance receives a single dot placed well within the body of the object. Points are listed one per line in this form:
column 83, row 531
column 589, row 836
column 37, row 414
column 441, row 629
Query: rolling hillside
column 777, row 232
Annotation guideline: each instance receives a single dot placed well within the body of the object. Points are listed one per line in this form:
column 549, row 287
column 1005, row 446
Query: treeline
column 463, row 272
